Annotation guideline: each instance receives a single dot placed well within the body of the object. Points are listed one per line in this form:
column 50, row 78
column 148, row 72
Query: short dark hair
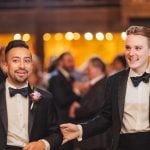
column 121, row 59
column 97, row 62
column 15, row 43
column 61, row 57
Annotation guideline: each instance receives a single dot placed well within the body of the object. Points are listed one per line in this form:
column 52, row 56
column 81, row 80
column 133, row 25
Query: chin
column 21, row 80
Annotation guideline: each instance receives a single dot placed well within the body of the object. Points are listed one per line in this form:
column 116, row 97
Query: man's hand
column 38, row 145
column 73, row 108
column 69, row 131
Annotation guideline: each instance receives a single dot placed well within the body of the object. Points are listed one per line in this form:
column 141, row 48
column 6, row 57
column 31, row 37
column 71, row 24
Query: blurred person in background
column 119, row 63
column 50, row 71
column 60, row 85
column 2, row 60
column 37, row 75
column 91, row 103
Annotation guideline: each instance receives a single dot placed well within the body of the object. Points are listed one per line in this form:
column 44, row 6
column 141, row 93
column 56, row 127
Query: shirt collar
column 12, row 86
column 95, row 80
column 65, row 73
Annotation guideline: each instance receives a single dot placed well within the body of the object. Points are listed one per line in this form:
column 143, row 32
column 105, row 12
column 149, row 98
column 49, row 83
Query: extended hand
column 38, row 145
column 70, row 131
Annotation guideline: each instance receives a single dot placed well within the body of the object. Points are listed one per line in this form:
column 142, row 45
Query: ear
column 5, row 67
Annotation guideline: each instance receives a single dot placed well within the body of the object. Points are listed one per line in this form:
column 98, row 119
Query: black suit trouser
column 134, row 141
column 9, row 147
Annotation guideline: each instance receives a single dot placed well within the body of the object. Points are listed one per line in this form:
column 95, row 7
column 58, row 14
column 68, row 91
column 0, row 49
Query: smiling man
column 24, row 125
column 127, row 96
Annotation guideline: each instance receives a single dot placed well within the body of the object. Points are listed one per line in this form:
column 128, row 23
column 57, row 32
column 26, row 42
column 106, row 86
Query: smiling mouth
column 132, row 60
column 21, row 73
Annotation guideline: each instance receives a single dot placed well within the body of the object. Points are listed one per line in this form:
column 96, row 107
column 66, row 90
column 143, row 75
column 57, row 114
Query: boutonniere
column 35, row 96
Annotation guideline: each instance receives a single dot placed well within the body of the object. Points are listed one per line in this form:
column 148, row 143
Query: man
column 60, row 85
column 27, row 114
column 127, row 98
column 91, row 103
column 2, row 57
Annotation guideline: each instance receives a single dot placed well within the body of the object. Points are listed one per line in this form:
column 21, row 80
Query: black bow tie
column 136, row 80
column 23, row 91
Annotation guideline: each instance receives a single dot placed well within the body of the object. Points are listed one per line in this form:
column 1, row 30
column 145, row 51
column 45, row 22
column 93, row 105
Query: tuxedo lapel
column 3, row 109
column 31, row 115
column 121, row 92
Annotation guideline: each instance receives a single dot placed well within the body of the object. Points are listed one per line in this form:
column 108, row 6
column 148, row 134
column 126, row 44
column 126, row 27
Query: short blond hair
column 139, row 30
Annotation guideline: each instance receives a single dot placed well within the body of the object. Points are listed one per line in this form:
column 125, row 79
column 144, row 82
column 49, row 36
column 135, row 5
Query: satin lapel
column 121, row 92
column 3, row 109
column 32, row 113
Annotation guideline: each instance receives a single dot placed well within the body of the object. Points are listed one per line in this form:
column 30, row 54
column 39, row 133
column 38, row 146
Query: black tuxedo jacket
column 61, row 88
column 92, row 102
column 2, row 76
column 42, row 120
column 112, row 112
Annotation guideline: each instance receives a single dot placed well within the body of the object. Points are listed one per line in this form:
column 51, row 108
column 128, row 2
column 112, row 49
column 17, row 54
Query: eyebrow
column 20, row 57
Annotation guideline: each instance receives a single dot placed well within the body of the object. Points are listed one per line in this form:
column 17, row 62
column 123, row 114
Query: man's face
column 18, row 65
column 68, row 63
column 137, row 52
column 91, row 71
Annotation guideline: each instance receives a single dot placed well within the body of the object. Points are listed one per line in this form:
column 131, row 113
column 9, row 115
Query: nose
column 22, row 64
column 132, row 52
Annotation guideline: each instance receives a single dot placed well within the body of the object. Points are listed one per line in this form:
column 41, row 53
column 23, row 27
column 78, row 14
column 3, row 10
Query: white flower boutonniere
column 35, row 97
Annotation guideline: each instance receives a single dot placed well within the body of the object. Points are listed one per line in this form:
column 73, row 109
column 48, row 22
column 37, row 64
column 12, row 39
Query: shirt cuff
column 47, row 145
column 76, row 91
column 81, row 133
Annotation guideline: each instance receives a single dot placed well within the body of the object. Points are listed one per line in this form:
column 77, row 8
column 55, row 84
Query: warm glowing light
column 58, row 36
column 17, row 36
column 26, row 37
column 123, row 35
column 76, row 36
column 99, row 36
column 46, row 36
column 88, row 36
column 109, row 36
column 69, row 36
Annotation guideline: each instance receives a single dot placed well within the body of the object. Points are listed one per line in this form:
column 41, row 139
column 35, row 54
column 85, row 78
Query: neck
column 17, row 85
column 141, row 70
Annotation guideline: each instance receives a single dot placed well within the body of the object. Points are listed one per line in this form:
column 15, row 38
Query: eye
column 27, row 60
column 138, row 48
column 15, row 60
column 127, row 48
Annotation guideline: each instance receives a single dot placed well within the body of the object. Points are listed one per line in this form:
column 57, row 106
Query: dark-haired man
column 27, row 116
column 2, row 58
column 60, row 85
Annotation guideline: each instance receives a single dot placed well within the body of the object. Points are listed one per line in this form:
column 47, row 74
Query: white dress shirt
column 136, row 108
column 17, row 112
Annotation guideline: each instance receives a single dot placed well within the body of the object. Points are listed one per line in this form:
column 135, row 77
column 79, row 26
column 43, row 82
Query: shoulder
column 45, row 94
column 119, row 74
column 2, row 85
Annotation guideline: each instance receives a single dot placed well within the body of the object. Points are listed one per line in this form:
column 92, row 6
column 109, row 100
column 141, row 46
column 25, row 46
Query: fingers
column 25, row 147
column 65, row 125
column 64, row 141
